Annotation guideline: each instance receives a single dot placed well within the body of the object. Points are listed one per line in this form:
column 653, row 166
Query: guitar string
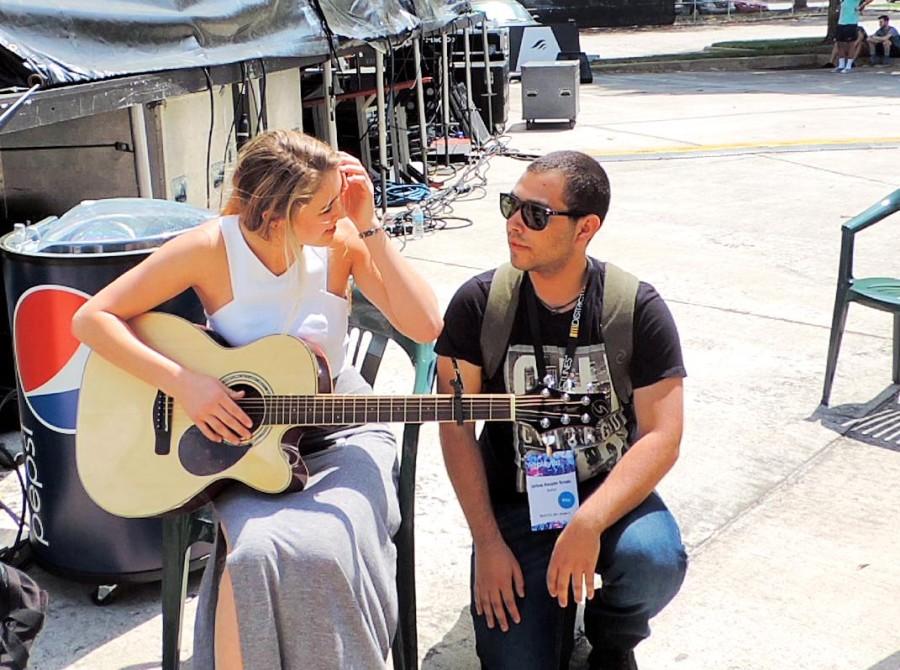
column 330, row 399
column 447, row 416
column 392, row 404
column 425, row 403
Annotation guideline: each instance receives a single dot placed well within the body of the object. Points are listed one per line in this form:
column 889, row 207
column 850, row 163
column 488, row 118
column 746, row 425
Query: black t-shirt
column 656, row 356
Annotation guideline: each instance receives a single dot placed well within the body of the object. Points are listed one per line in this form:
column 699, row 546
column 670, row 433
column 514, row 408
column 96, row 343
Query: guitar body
column 138, row 454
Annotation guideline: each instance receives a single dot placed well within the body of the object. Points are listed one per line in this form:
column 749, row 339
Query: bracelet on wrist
column 371, row 231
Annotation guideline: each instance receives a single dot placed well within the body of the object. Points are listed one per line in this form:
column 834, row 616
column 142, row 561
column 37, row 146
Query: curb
column 782, row 62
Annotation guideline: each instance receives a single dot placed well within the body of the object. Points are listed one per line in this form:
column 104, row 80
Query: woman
column 306, row 579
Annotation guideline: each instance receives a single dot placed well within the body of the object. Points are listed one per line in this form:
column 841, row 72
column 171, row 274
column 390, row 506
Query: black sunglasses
column 534, row 215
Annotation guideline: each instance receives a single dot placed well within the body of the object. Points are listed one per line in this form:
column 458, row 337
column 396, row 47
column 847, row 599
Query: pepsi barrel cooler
column 45, row 285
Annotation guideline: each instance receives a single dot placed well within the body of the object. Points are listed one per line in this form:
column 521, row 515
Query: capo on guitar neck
column 457, row 394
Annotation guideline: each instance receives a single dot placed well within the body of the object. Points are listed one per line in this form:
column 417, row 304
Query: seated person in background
column 881, row 41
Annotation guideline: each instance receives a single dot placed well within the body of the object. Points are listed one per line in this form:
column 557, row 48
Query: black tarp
column 69, row 41
column 72, row 41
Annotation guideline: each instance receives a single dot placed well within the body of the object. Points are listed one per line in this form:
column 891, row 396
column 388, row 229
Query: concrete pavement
column 728, row 192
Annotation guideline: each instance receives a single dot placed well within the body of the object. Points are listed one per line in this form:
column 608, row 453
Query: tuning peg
column 545, row 423
column 585, row 418
column 545, row 392
column 585, row 400
column 564, row 419
column 550, row 381
column 565, row 397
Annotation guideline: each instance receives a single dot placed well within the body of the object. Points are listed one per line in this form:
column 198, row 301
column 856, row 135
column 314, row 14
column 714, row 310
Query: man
column 526, row 583
column 845, row 37
column 882, row 40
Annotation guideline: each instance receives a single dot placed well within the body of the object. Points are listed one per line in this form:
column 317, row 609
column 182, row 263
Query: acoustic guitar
column 138, row 453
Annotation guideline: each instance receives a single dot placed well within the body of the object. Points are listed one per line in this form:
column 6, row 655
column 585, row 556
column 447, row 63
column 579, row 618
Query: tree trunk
column 834, row 7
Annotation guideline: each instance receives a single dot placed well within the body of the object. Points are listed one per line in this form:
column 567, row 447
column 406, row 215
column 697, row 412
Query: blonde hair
column 277, row 171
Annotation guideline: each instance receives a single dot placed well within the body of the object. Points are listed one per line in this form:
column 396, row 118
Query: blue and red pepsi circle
column 50, row 360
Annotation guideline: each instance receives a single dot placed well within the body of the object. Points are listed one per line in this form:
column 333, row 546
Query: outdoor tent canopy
column 73, row 41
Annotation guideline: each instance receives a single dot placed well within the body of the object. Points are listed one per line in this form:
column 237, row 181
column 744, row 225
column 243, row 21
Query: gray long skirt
column 314, row 571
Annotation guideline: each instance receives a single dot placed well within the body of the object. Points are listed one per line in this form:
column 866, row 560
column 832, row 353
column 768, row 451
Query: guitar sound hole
column 254, row 408
column 202, row 457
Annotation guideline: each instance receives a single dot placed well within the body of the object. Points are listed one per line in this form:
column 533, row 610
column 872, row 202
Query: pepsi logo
column 49, row 359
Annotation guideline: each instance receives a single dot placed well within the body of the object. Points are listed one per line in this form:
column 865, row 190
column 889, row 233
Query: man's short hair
column 887, row 19
column 586, row 184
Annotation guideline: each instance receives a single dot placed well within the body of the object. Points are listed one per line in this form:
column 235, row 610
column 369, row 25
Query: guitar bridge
column 162, row 422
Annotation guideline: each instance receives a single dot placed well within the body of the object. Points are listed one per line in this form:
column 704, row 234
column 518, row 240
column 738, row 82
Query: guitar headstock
column 546, row 408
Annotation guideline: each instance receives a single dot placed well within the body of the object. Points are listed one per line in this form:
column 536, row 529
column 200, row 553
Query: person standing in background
column 846, row 33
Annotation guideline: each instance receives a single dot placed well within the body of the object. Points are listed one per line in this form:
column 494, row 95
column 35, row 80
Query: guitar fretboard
column 339, row 410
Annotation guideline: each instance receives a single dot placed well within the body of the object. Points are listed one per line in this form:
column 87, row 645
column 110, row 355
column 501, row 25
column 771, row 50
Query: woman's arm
column 101, row 323
column 382, row 274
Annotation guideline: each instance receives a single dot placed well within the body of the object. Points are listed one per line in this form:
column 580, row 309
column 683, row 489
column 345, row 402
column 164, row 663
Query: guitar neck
column 339, row 410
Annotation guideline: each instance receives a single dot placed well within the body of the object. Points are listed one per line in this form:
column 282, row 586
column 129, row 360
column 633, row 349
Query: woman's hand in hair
column 357, row 194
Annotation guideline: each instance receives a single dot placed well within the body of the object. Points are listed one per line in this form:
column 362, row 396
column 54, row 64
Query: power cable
column 262, row 119
column 438, row 206
column 236, row 108
column 212, row 123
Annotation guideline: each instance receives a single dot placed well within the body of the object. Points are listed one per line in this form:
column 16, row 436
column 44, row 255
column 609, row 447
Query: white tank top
column 296, row 302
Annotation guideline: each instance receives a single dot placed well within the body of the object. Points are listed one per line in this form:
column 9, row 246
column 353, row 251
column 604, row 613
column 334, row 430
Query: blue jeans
column 642, row 562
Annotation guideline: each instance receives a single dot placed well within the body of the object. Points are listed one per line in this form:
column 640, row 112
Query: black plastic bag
column 23, row 608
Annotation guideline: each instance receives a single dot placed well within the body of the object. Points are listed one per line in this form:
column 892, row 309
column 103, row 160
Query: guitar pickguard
column 203, row 457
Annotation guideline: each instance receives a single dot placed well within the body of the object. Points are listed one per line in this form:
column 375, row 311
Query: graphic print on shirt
column 599, row 446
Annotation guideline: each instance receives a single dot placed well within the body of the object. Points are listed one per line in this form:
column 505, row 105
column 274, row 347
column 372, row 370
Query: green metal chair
column 181, row 531
column 882, row 293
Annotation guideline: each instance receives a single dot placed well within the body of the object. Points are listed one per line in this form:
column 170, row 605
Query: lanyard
column 578, row 315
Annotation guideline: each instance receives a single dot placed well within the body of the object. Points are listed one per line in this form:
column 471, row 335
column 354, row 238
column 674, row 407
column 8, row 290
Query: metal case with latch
column 550, row 92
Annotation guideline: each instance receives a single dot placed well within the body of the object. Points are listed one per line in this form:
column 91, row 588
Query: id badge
column 552, row 488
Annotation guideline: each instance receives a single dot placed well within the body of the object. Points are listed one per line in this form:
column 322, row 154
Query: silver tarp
column 71, row 41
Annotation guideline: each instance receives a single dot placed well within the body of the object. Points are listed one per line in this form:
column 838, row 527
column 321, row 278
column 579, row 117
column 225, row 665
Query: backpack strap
column 24, row 606
column 616, row 324
column 499, row 314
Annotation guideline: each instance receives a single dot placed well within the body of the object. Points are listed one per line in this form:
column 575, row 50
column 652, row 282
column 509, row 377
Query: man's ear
column 588, row 227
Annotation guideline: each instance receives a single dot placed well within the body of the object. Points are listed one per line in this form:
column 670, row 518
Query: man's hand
column 574, row 559
column 497, row 572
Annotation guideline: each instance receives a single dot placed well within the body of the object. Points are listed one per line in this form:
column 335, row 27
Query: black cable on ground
column 402, row 194
column 469, row 184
